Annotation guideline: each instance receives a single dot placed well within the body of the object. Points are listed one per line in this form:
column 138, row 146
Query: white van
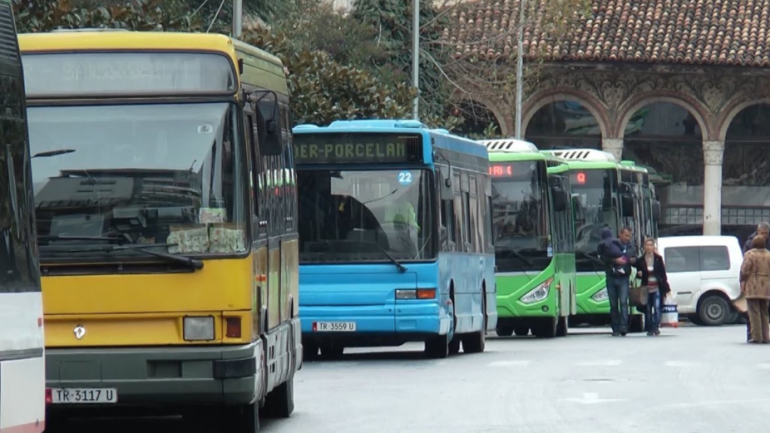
column 704, row 274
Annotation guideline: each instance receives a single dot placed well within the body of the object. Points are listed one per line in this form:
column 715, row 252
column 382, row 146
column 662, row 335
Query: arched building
column 682, row 87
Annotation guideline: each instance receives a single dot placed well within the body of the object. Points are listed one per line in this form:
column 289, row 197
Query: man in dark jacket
column 617, row 283
column 763, row 229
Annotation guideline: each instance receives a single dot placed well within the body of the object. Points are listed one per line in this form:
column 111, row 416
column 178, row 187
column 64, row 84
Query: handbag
column 637, row 296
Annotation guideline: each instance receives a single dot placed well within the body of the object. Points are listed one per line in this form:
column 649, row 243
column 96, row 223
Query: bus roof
column 509, row 145
column 260, row 68
column 585, row 155
column 442, row 138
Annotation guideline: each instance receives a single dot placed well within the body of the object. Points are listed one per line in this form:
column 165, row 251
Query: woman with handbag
column 755, row 285
column 652, row 271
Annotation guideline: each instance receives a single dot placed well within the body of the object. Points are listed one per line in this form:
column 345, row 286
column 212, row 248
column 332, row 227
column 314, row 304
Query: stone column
column 713, row 152
column 613, row 146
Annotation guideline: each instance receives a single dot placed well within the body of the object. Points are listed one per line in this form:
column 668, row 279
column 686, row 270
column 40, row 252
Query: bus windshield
column 138, row 174
column 594, row 189
column 519, row 215
column 365, row 215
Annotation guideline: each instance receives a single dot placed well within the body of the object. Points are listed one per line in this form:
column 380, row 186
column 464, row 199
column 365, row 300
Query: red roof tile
column 695, row 32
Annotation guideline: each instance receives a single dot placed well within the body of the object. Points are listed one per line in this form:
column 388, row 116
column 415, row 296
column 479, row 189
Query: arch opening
column 563, row 125
column 666, row 138
column 746, row 171
column 479, row 122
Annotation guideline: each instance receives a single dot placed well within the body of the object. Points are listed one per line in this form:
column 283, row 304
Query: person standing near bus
column 617, row 284
column 763, row 229
column 755, row 285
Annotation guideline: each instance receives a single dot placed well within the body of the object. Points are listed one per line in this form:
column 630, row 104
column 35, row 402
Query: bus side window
column 458, row 211
column 446, row 207
column 473, row 209
column 254, row 157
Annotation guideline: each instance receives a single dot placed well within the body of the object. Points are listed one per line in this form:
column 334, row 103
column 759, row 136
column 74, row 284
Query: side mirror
column 656, row 211
column 265, row 105
column 445, row 182
column 627, row 204
column 442, row 234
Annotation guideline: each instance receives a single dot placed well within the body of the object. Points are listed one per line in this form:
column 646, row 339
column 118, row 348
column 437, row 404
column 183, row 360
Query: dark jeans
column 652, row 316
column 617, row 290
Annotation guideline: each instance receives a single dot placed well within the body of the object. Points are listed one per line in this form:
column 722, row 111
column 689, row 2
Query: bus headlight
column 198, row 328
column 539, row 293
column 601, row 295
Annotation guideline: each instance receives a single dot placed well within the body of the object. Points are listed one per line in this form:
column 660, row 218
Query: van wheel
column 713, row 310
column 280, row 401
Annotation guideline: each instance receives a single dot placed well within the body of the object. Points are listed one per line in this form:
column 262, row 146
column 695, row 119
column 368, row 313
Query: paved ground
column 691, row 379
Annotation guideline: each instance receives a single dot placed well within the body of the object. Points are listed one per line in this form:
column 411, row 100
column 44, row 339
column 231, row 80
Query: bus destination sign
column 357, row 148
column 125, row 73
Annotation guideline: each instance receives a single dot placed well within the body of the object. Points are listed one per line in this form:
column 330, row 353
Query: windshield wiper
column 592, row 258
column 53, row 153
column 519, row 255
column 401, row 268
column 79, row 238
column 143, row 248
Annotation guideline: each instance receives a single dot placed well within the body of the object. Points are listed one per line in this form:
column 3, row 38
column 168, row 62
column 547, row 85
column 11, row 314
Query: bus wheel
column 562, row 328
column 280, row 401
column 332, row 351
column 454, row 345
column 476, row 342
column 242, row 418
column 505, row 331
column 521, row 330
column 636, row 323
column 546, row 329
column 309, row 351
column 437, row 347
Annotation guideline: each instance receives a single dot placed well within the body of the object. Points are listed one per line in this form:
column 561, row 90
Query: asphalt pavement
column 690, row 379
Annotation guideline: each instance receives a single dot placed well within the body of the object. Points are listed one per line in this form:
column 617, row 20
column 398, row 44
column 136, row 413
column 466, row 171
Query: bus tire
column 242, row 418
column 280, row 401
column 562, row 329
column 636, row 323
column 521, row 330
column 332, row 351
column 505, row 331
column 437, row 347
column 476, row 342
column 546, row 329
column 309, row 351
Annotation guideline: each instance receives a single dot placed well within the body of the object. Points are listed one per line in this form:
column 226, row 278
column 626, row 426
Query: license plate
column 334, row 326
column 83, row 395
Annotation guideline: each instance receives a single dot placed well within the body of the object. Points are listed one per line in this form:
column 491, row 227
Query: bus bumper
column 397, row 323
column 150, row 376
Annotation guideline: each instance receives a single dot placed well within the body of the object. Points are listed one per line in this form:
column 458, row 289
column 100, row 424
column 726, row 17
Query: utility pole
column 237, row 18
column 520, row 70
column 416, row 58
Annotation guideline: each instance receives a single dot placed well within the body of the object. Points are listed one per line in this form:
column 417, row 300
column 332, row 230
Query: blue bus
column 395, row 238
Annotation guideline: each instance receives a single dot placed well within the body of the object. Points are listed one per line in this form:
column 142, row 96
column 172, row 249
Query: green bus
column 613, row 193
column 534, row 239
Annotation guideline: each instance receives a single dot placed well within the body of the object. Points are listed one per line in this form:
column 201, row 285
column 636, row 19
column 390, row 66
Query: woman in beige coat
column 755, row 285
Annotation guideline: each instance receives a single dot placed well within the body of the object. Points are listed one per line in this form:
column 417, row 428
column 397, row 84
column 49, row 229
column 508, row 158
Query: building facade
column 681, row 87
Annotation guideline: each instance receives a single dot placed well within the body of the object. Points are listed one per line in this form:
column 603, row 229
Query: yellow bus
column 165, row 206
